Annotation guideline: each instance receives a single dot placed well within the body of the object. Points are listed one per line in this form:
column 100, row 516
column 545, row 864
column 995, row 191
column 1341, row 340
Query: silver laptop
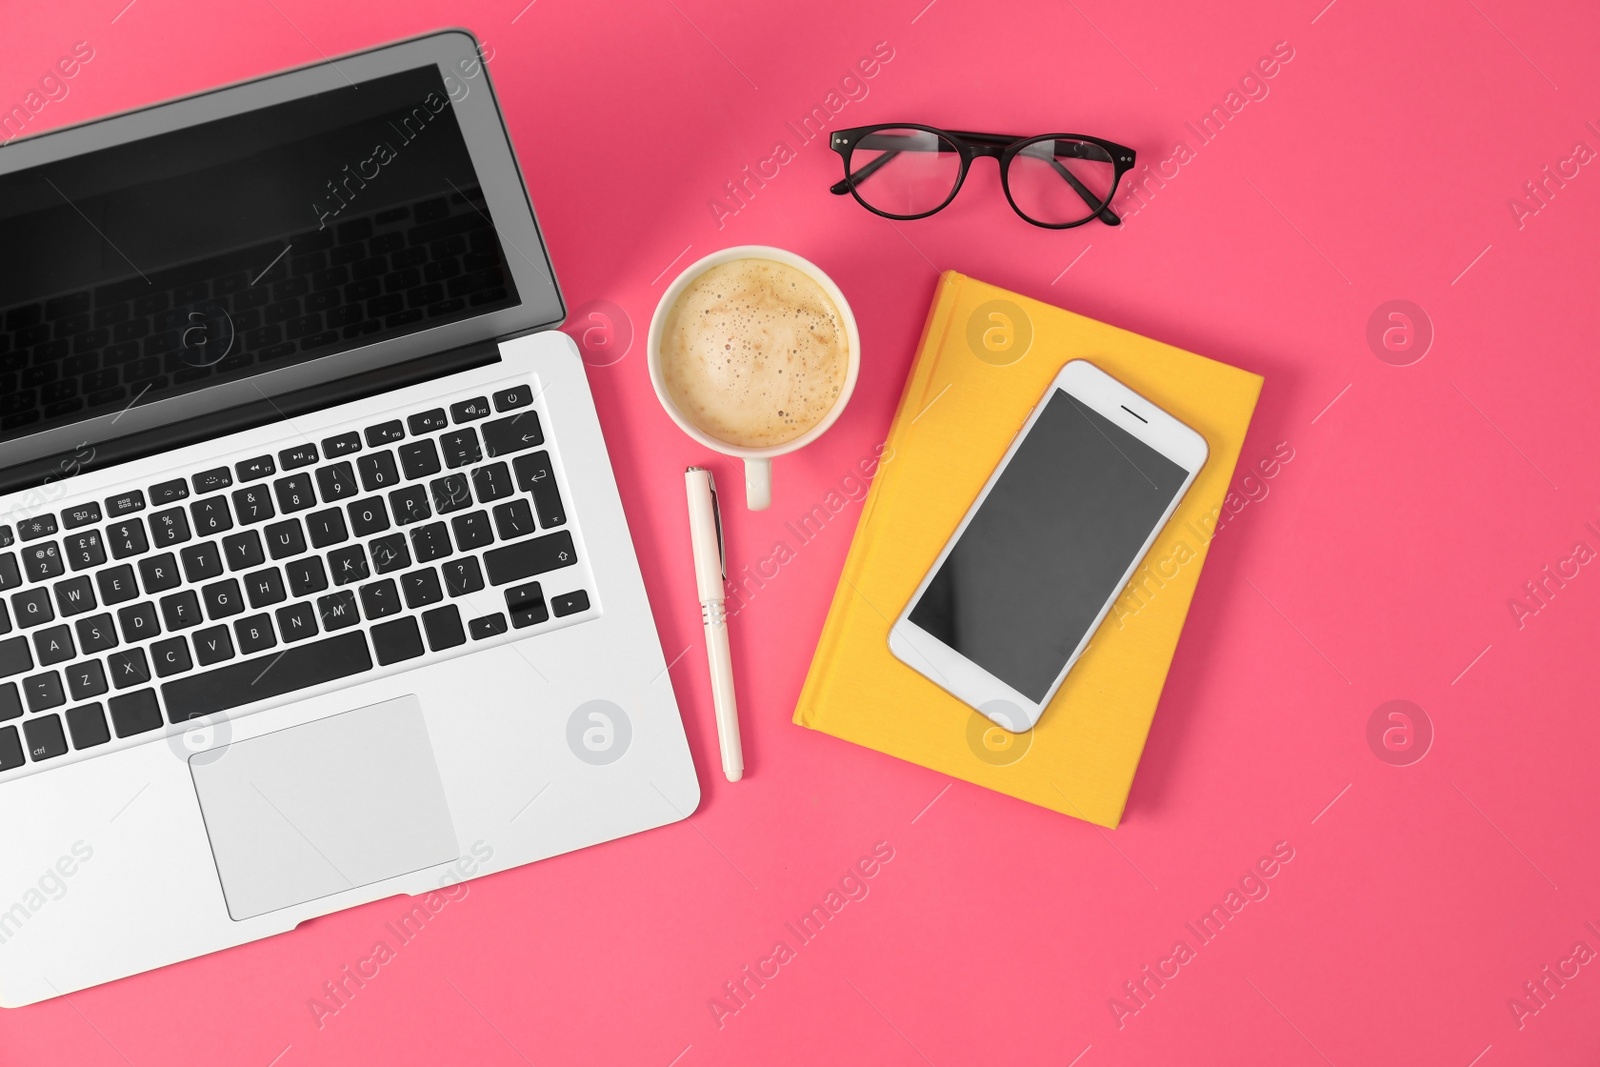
column 315, row 586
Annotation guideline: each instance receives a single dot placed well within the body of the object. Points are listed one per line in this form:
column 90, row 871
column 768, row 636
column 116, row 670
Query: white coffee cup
column 757, row 461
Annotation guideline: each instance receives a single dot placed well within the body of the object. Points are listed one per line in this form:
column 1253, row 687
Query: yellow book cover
column 984, row 361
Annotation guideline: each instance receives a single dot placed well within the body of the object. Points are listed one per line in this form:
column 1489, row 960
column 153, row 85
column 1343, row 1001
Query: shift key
column 523, row 559
column 535, row 475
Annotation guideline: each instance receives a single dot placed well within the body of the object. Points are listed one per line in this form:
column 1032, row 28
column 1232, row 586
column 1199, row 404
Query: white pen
column 710, row 570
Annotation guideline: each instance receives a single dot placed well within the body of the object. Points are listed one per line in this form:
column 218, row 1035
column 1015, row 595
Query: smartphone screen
column 1046, row 550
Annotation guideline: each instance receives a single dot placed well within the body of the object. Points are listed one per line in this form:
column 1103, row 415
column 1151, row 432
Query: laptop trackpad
column 325, row 807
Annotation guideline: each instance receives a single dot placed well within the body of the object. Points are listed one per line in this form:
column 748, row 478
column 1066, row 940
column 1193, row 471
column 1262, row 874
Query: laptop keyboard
column 359, row 279
column 272, row 573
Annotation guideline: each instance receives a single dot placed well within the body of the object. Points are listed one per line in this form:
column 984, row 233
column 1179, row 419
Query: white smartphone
column 1055, row 535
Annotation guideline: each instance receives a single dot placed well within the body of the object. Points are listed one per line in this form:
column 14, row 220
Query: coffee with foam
column 754, row 353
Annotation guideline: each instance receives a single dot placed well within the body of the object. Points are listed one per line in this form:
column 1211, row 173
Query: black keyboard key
column 342, row 445
column 253, row 503
column 6, row 537
column 255, row 633
column 294, row 493
column 338, row 610
column 171, row 656
column 159, row 573
column 127, row 538
column 211, row 516
column 488, row 626
column 95, row 634
column 285, row 539
column 168, row 492
column 418, row 459
column 243, row 550
column 252, row 470
column 10, row 702
column 117, row 585
column 326, row 528
column 201, row 562
column 430, row 542
column 223, row 598
column 128, row 667
column 421, row 587
column 32, row 607
column 45, row 739
column 570, row 603
column 513, row 433
column 86, row 679
column 170, row 527
column 75, row 596
column 82, row 515
column 43, row 691
column 138, row 621
column 348, row 565
column 134, row 713
column 36, row 527
column 410, row 505
column 492, row 482
column 212, row 645
column 212, row 480
column 181, row 610
column 54, row 645
column 385, row 433
column 518, row 396
column 43, row 561
column 534, row 475
column 10, row 573
column 513, row 519
column 450, row 493
column 527, row 558
column 337, row 481
column 397, row 640
column 85, row 550
column 265, row 587
column 306, row 576
column 125, row 503
column 10, row 749
column 526, row 605
column 427, row 421
column 390, row 553
column 298, row 456
column 297, row 667
column 378, row 600
column 460, row 448
column 462, row 576
column 368, row 516
column 443, row 626
column 467, row 410
column 378, row 471
column 87, row 725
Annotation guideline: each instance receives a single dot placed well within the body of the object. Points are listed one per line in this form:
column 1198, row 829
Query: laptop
column 315, row 585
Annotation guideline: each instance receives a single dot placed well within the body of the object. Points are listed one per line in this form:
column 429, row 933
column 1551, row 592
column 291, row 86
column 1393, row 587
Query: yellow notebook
column 984, row 361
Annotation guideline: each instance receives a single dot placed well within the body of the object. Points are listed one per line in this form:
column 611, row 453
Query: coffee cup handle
column 758, row 484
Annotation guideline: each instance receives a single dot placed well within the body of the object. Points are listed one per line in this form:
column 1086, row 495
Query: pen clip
column 716, row 516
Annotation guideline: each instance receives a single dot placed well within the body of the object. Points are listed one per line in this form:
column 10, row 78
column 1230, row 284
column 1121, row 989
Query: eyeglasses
column 907, row 171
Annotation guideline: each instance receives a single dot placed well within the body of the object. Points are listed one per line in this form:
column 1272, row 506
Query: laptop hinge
column 105, row 454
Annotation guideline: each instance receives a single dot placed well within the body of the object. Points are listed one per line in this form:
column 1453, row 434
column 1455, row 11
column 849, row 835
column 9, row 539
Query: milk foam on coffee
column 754, row 353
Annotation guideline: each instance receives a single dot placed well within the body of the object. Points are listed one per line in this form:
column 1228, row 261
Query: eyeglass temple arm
column 1102, row 211
column 839, row 188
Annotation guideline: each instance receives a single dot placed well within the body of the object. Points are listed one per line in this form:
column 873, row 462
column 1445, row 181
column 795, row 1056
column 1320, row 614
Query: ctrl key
column 46, row 739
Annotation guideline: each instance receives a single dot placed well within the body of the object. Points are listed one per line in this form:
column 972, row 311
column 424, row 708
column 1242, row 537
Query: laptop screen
column 227, row 249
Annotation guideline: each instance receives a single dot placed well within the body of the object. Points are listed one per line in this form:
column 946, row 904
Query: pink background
column 1378, row 566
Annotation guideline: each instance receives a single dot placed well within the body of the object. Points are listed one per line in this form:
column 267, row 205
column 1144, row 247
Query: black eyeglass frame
column 1002, row 147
